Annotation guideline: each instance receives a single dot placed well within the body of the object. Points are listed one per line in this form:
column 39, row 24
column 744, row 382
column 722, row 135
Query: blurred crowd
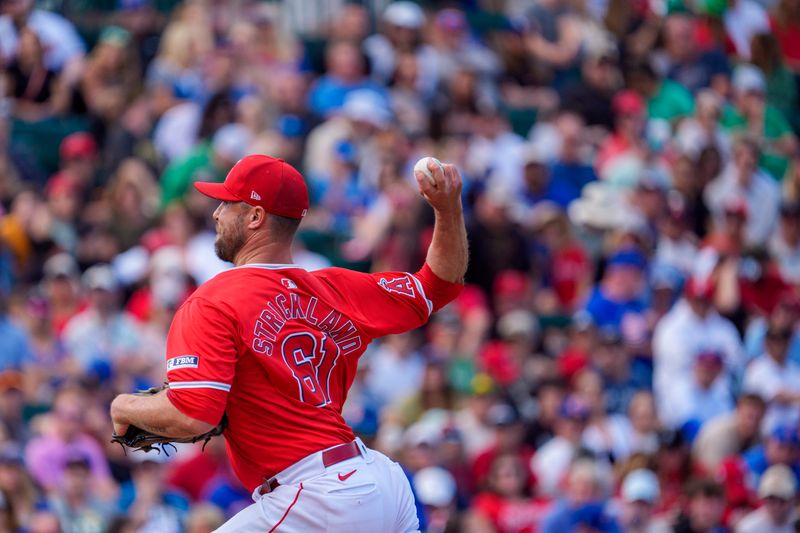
column 625, row 357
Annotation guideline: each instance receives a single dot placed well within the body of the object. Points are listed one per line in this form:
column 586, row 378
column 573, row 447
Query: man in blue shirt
column 15, row 348
column 569, row 173
column 345, row 73
column 782, row 447
column 618, row 297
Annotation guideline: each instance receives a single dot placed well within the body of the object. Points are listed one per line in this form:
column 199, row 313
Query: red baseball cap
column 261, row 180
column 76, row 145
column 628, row 103
column 699, row 288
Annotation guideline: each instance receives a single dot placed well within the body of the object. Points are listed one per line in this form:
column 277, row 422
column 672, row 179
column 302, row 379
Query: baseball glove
column 139, row 439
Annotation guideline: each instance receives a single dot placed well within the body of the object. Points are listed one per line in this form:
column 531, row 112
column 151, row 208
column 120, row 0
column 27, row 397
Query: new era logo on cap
column 260, row 180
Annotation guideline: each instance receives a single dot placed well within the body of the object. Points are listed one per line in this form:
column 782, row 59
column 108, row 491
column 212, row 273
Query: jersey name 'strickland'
column 293, row 306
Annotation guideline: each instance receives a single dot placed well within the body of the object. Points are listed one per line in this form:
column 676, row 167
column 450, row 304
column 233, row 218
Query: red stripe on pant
column 296, row 496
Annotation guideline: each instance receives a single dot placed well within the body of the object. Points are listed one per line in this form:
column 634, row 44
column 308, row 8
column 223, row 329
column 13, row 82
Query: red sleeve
column 387, row 303
column 201, row 356
column 438, row 291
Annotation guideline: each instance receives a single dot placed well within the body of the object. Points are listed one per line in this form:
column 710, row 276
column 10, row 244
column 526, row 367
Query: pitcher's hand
column 445, row 196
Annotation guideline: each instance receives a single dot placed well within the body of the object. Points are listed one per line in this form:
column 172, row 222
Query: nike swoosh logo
column 345, row 476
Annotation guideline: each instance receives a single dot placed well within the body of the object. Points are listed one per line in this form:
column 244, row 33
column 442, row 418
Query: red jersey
column 570, row 271
column 276, row 348
column 512, row 515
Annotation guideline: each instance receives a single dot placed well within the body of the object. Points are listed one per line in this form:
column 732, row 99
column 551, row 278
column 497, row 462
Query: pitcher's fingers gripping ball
column 423, row 166
column 439, row 184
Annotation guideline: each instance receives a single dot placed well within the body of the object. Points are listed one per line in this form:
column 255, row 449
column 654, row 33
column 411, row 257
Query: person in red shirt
column 785, row 25
column 275, row 348
column 506, row 507
column 628, row 138
column 509, row 435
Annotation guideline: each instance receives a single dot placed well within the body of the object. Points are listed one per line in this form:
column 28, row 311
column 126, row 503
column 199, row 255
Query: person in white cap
column 640, row 493
column 102, row 332
column 777, row 491
column 402, row 24
column 363, row 114
column 435, row 488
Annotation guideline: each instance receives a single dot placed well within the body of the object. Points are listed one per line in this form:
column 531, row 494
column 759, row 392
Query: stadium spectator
column 591, row 97
column 731, row 433
column 210, row 162
column 64, row 47
column 14, row 343
column 743, row 180
column 554, row 37
column 628, row 137
column 505, row 505
column 619, row 296
column 403, row 22
column 63, row 435
column 17, row 486
column 639, row 496
column 147, row 502
column 691, row 326
column 553, row 459
column 666, row 99
column 751, row 113
column 111, row 77
column 781, row 85
column 101, row 333
column 704, row 508
column 780, row 448
column 507, row 440
column 777, row 491
column 743, row 20
column 76, row 506
column 497, row 244
column 776, row 379
column 785, row 24
column 784, row 245
column 619, row 436
column 584, row 504
column 702, row 398
column 683, row 60
column 204, row 519
column 345, row 73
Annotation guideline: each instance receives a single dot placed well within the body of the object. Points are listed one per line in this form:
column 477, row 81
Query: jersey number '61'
column 311, row 365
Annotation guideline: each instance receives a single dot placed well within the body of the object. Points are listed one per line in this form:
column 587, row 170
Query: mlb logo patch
column 289, row 284
column 182, row 361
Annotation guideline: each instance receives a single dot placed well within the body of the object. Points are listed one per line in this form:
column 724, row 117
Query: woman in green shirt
column 781, row 83
column 750, row 113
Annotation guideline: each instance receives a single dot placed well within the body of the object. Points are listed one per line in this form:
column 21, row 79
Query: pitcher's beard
column 227, row 246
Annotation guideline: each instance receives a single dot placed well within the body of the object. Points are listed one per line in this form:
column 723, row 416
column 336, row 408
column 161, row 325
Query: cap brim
column 218, row 191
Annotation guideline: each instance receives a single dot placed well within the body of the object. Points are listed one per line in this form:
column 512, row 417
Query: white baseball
column 422, row 166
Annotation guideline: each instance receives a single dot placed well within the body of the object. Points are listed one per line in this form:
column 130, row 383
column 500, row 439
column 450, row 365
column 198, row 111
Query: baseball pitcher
column 273, row 349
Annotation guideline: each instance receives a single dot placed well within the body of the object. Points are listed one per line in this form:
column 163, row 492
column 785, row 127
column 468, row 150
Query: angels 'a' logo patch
column 183, row 361
column 401, row 285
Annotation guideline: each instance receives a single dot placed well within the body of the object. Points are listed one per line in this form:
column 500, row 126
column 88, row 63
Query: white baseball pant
column 363, row 494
